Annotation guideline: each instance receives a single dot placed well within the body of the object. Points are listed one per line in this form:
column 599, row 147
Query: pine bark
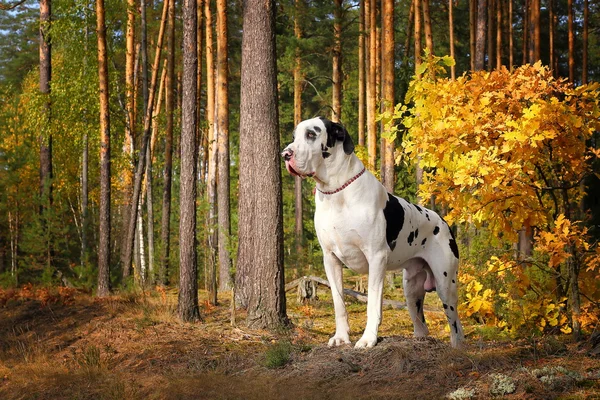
column 417, row 36
column 388, row 95
column 168, row 167
column 551, row 35
column 103, row 288
column 472, row 32
column 584, row 61
column 260, row 254
column 451, row 34
column 491, row 17
column 223, row 201
column 534, row 47
column 336, row 102
column 141, row 166
column 298, row 89
column 480, row 35
column 361, row 74
column 427, row 26
column 372, row 85
column 188, row 309
column 571, row 41
column 498, row 34
column 211, row 180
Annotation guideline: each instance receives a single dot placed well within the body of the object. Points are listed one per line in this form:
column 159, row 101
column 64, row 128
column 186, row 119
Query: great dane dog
column 361, row 225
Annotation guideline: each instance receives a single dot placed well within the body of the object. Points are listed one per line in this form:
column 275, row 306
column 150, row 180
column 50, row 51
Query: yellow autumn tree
column 504, row 150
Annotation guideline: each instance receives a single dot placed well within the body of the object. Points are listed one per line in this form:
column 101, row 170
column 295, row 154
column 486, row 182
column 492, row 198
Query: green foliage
column 278, row 354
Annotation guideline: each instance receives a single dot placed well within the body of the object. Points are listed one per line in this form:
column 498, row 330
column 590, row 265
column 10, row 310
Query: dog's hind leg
column 333, row 269
column 444, row 266
column 414, row 281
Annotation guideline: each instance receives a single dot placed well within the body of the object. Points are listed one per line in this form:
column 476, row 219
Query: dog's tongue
column 290, row 169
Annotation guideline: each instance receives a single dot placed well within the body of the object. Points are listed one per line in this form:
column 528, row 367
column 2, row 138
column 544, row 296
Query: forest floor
column 68, row 345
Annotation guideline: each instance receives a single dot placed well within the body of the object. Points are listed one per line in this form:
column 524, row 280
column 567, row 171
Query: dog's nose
column 287, row 154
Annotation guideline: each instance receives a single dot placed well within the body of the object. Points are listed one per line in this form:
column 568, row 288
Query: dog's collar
column 345, row 185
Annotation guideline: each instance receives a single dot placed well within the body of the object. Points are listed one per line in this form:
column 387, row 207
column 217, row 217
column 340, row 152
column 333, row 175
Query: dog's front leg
column 377, row 266
column 333, row 269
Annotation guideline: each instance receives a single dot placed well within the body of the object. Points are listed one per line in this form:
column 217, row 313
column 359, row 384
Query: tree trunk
column 361, row 74
column 388, row 97
column 491, row 17
column 417, row 35
column 298, row 88
column 372, row 85
column 584, row 61
column 45, row 137
column 188, row 309
column 510, row 35
column 200, row 133
column 84, row 201
column 472, row 32
column 526, row 25
column 551, row 34
column 480, row 35
column 168, row 168
column 141, row 166
column 260, row 254
column 336, row 101
column 222, row 123
column 534, row 43
column 427, row 26
column 211, row 184
column 571, row 42
column 104, row 213
column 451, row 33
column 498, row 34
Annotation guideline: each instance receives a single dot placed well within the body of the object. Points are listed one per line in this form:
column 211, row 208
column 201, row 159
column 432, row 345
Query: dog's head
column 316, row 142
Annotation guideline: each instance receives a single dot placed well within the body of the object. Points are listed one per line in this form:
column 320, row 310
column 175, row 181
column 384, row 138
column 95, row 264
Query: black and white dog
column 371, row 231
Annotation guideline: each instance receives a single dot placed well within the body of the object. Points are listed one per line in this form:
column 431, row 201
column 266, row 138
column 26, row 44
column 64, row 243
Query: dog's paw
column 366, row 341
column 338, row 340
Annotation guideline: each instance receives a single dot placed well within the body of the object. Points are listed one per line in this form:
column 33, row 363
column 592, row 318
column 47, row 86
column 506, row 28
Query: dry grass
column 133, row 347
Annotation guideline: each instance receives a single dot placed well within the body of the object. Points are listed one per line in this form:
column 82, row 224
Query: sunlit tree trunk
column 188, row 309
column 571, row 41
column 372, row 86
column 141, row 166
column 498, row 34
column 511, row 50
column 361, row 74
column 260, row 254
column 427, row 26
column 534, row 37
column 211, row 180
column 200, row 133
column 336, row 103
column 222, row 123
column 388, row 97
column 168, row 167
column 417, row 36
column 103, row 288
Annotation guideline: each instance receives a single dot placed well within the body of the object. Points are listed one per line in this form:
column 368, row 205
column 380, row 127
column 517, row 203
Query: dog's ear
column 336, row 132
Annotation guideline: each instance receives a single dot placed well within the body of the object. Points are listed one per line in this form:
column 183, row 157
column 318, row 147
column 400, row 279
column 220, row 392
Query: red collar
column 345, row 185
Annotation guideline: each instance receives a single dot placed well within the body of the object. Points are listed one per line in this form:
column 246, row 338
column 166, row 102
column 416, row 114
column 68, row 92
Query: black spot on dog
column 418, row 208
column 436, row 230
column 418, row 305
column 455, row 327
column 454, row 247
column 326, row 154
column 445, row 273
column 394, row 219
column 423, row 242
column 423, row 318
column 453, row 281
column 416, row 233
column 451, row 308
column 316, row 128
column 323, row 147
column 445, row 306
column 427, row 216
column 411, row 237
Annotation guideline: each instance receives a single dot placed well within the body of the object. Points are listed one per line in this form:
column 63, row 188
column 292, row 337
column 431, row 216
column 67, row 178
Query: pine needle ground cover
column 65, row 344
